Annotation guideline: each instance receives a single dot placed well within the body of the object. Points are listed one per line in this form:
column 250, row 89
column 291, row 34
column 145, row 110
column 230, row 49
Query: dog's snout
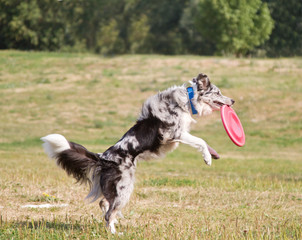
column 233, row 101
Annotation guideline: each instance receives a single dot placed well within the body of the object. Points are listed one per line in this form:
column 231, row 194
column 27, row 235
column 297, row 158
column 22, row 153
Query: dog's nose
column 233, row 101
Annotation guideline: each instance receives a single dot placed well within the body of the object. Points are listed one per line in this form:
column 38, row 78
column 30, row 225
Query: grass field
column 253, row 192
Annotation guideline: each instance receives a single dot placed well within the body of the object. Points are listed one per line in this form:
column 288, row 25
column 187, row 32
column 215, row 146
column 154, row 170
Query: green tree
column 163, row 19
column 86, row 19
column 18, row 23
column 192, row 40
column 32, row 24
column 234, row 26
column 138, row 35
column 286, row 38
column 108, row 41
column 52, row 25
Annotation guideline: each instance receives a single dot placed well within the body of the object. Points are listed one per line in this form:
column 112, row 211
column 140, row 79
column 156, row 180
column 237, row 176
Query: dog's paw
column 112, row 227
column 207, row 158
column 213, row 152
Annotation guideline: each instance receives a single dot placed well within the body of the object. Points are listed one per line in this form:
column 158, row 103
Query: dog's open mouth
column 219, row 104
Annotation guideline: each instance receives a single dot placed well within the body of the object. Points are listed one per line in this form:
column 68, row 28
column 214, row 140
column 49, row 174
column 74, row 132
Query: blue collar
column 191, row 96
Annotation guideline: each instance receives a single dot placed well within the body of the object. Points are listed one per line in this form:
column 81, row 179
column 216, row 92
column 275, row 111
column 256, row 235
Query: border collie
column 163, row 123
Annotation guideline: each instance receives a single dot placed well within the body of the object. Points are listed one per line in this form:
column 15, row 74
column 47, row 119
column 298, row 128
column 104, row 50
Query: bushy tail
column 54, row 144
column 76, row 160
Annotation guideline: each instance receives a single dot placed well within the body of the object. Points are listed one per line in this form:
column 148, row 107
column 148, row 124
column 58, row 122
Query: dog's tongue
column 213, row 152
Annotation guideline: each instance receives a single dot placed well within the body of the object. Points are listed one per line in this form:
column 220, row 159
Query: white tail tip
column 54, row 144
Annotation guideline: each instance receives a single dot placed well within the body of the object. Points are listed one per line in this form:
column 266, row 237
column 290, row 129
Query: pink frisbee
column 232, row 125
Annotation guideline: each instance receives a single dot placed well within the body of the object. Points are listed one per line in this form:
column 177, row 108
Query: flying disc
column 232, row 125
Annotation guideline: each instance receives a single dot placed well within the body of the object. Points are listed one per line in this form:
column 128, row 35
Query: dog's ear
column 202, row 81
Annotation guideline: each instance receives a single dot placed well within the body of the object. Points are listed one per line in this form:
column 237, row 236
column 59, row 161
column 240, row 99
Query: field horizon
column 253, row 192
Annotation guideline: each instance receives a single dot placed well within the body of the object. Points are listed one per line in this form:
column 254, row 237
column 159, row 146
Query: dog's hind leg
column 111, row 218
column 124, row 189
column 198, row 143
column 111, row 215
column 104, row 205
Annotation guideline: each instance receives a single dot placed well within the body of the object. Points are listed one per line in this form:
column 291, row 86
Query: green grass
column 253, row 192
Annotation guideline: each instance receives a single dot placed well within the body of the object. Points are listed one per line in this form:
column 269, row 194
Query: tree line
column 204, row 27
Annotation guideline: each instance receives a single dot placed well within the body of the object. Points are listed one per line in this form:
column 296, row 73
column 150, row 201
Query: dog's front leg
column 198, row 143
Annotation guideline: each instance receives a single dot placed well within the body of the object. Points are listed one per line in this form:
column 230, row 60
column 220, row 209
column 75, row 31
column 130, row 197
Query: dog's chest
column 180, row 125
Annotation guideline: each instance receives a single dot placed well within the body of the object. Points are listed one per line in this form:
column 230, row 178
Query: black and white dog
column 164, row 122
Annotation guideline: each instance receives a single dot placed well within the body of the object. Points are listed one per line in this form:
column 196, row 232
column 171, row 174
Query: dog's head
column 209, row 97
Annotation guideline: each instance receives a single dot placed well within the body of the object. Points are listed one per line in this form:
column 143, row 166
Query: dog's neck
column 201, row 108
column 190, row 92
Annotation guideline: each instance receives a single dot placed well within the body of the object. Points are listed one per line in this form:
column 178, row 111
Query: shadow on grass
column 54, row 224
column 54, row 229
